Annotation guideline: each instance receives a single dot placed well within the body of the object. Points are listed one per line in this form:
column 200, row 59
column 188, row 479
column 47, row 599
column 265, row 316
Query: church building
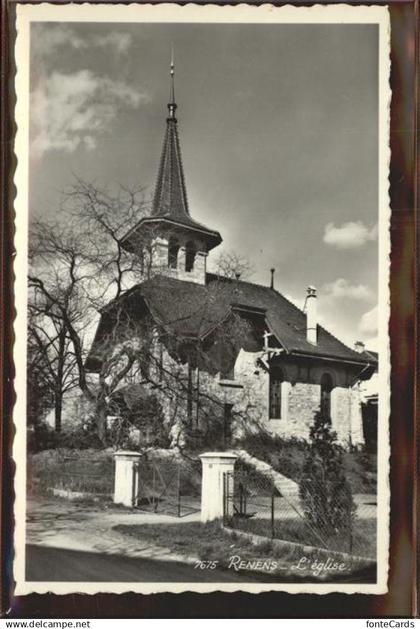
column 217, row 345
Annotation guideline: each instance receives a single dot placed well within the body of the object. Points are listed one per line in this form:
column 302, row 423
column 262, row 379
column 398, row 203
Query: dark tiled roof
column 371, row 355
column 213, row 238
column 288, row 322
column 170, row 194
column 187, row 309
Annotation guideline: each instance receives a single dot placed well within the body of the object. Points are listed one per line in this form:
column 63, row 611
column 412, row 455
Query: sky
column 278, row 129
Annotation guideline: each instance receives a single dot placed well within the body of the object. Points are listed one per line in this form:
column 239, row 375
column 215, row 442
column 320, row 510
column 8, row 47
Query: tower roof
column 170, row 197
column 170, row 203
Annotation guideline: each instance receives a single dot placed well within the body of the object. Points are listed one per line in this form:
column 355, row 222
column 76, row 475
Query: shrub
column 138, row 411
column 41, row 437
column 324, row 490
column 287, row 456
column 78, row 438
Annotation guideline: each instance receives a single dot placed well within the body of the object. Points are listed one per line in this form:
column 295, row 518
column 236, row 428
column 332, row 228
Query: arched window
column 326, row 388
column 189, row 256
column 276, row 379
column 173, row 248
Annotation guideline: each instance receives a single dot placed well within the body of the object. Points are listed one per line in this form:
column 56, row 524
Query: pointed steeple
column 170, row 197
column 170, row 215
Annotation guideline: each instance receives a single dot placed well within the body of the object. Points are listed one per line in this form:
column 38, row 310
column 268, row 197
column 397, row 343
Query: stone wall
column 159, row 261
column 301, row 403
column 356, row 418
column 248, row 392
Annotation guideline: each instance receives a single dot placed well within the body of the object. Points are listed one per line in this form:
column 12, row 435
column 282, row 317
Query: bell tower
column 169, row 241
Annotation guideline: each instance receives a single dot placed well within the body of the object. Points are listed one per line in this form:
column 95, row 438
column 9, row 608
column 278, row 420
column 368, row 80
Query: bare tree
column 52, row 360
column 182, row 370
column 102, row 218
column 57, row 299
column 40, row 399
column 233, row 266
column 79, row 263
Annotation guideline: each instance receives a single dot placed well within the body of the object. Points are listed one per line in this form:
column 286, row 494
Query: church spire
column 170, row 212
column 170, row 197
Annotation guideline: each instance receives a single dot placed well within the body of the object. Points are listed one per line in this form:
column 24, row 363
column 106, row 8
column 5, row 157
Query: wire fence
column 252, row 503
column 164, row 485
column 81, row 475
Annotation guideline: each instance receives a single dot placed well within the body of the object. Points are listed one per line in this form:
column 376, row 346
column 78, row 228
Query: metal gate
column 168, row 487
column 249, row 496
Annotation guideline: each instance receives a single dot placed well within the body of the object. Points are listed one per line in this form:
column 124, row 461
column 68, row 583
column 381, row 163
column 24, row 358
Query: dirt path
column 63, row 524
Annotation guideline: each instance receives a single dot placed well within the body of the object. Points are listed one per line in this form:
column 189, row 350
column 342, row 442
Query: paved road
column 59, row 564
column 74, row 543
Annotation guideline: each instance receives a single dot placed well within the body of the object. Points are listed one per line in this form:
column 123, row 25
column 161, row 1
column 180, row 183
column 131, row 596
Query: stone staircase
column 286, row 487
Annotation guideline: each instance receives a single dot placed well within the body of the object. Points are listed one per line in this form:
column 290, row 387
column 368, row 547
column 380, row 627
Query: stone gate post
column 215, row 465
column 126, row 477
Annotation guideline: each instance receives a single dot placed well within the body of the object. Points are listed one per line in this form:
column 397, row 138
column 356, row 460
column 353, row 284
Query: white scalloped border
column 243, row 13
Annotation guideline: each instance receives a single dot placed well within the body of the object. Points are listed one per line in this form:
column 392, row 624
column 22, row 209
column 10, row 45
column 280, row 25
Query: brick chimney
column 359, row 347
column 311, row 315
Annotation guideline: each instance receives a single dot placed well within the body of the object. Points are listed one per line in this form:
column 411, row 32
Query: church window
column 276, row 379
column 160, row 361
column 227, row 424
column 189, row 256
column 173, row 248
column 326, row 388
column 228, row 372
column 227, row 357
column 190, row 394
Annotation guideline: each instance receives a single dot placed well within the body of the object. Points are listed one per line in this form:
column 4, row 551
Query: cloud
column 349, row 235
column 342, row 289
column 368, row 323
column 47, row 39
column 69, row 110
column 121, row 42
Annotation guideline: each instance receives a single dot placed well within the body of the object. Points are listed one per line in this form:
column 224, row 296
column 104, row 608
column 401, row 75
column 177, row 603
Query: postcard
column 201, row 340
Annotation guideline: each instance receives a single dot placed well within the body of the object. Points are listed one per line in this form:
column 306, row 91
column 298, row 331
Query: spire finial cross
column 172, row 104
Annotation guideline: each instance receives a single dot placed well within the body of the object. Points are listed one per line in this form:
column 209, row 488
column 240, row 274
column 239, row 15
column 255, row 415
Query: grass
column 209, row 542
column 296, row 530
column 205, row 541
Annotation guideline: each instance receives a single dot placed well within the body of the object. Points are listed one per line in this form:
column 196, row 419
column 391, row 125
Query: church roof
column 371, row 354
column 191, row 311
